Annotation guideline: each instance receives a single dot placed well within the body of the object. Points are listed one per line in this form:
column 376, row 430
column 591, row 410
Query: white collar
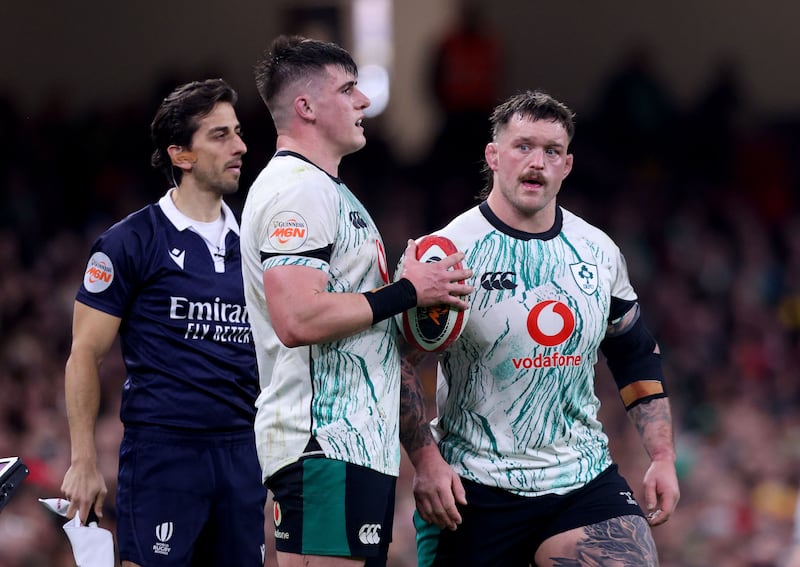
column 182, row 222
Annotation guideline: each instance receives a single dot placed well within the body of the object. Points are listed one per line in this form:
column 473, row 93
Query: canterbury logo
column 164, row 532
column 498, row 280
column 370, row 534
column 357, row 220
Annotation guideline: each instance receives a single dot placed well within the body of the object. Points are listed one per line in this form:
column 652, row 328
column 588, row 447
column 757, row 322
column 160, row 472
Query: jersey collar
column 493, row 219
column 294, row 154
column 182, row 222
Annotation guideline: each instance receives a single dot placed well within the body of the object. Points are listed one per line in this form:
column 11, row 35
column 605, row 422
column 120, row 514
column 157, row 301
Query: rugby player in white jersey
column 321, row 305
column 516, row 470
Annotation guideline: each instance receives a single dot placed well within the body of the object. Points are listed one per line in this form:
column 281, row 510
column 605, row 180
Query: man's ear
column 181, row 157
column 303, row 108
column 568, row 164
column 490, row 153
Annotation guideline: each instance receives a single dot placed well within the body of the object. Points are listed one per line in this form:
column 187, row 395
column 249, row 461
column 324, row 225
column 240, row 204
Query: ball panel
column 432, row 329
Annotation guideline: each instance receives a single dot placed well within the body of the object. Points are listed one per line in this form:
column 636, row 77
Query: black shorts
column 503, row 529
column 190, row 498
column 328, row 507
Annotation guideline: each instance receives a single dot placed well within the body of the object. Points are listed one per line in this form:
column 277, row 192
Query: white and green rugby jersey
column 515, row 395
column 344, row 394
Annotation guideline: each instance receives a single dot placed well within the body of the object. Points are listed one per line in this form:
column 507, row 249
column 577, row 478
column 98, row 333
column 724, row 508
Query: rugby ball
column 432, row 329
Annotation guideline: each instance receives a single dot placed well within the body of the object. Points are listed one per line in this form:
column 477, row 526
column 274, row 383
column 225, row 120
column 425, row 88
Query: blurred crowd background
column 701, row 195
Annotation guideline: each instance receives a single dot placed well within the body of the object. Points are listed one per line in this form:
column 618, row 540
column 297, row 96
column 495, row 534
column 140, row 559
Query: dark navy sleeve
column 111, row 273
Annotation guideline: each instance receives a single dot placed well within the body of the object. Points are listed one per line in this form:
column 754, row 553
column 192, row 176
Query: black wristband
column 391, row 299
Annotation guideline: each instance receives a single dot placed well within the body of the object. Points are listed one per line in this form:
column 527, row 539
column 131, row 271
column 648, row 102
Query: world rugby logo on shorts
column 370, row 534
column 163, row 535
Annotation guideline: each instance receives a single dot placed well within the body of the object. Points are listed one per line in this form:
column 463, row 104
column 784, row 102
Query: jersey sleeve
column 298, row 224
column 621, row 287
column 112, row 273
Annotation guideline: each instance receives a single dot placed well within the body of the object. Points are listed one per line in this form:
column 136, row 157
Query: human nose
column 240, row 148
column 363, row 100
column 537, row 159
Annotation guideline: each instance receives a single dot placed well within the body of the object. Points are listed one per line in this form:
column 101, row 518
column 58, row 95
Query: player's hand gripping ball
column 432, row 329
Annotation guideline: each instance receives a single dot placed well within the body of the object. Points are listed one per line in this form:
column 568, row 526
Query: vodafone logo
column 550, row 323
column 287, row 231
column 277, row 518
column 99, row 273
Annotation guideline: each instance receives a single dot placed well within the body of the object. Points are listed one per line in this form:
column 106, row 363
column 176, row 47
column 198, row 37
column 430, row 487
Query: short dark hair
column 533, row 105
column 293, row 57
column 178, row 116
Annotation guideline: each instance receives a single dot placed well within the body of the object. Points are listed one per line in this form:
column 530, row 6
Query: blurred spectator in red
column 466, row 81
column 467, row 65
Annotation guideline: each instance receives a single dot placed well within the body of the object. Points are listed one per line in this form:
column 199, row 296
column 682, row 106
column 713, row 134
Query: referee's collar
column 182, row 222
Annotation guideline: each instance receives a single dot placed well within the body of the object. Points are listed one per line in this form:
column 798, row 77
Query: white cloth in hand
column 92, row 546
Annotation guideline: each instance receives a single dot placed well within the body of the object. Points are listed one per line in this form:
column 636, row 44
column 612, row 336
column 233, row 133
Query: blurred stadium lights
column 372, row 40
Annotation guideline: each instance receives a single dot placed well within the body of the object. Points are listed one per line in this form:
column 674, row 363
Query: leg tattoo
column 623, row 541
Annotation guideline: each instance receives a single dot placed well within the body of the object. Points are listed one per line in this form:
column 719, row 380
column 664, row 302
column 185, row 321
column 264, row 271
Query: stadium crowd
column 701, row 199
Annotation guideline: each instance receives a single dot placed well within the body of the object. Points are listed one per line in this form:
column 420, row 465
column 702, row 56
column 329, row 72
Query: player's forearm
column 322, row 318
column 415, row 432
column 653, row 421
column 303, row 311
column 82, row 397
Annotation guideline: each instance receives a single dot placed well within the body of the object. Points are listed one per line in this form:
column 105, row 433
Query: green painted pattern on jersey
column 346, row 392
column 348, row 404
column 515, row 413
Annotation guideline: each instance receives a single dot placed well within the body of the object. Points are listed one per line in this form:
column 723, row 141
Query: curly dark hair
column 177, row 119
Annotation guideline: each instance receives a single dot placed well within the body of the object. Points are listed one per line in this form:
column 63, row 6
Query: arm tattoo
column 653, row 421
column 414, row 429
column 626, row 540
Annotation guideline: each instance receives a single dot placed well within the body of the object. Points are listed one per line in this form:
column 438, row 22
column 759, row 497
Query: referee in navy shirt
column 167, row 280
